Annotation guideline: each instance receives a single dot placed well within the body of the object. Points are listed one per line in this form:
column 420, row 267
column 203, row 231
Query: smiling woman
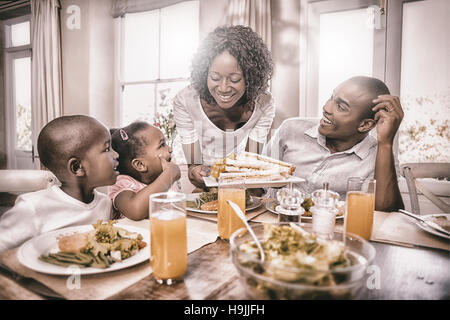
column 226, row 108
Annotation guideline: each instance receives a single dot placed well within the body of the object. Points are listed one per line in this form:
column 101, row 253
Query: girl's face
column 226, row 82
column 150, row 156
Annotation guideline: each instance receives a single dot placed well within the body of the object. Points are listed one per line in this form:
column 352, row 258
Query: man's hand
column 196, row 174
column 388, row 116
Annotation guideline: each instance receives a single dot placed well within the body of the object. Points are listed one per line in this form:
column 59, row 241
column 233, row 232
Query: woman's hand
column 196, row 174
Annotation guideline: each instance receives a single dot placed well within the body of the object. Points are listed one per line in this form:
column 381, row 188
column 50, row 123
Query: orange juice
column 227, row 220
column 168, row 244
column 360, row 207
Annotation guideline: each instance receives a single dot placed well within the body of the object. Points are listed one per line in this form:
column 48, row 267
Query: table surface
column 399, row 273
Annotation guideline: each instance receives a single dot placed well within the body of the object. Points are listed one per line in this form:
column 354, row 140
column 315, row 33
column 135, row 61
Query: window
column 156, row 48
column 17, row 54
column 425, row 82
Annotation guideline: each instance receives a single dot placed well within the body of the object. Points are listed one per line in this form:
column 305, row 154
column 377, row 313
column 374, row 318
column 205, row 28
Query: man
column 340, row 146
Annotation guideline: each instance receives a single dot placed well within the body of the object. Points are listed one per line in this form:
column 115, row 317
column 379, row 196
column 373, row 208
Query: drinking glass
column 360, row 205
column 168, row 240
column 227, row 220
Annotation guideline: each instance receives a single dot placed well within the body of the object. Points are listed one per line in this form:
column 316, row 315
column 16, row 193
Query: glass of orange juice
column 168, row 240
column 227, row 220
column 360, row 205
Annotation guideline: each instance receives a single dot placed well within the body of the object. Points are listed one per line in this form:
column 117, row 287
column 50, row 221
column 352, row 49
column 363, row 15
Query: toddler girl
column 144, row 167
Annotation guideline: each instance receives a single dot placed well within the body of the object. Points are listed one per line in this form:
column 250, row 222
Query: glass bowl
column 300, row 283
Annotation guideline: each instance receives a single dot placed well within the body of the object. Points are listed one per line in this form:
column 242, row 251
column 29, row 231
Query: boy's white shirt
column 47, row 210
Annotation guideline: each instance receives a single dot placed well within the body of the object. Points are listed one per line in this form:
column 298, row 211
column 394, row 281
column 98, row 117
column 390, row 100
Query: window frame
column 119, row 35
column 10, row 54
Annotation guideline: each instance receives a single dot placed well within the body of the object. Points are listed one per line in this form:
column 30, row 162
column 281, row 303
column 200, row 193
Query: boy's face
column 100, row 160
column 156, row 145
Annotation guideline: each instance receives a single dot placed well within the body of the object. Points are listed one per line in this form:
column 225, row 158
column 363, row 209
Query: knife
column 427, row 222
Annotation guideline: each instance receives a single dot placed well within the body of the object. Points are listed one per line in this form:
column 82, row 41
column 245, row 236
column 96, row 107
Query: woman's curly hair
column 247, row 47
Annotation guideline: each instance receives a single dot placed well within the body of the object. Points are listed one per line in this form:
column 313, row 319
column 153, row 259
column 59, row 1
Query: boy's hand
column 170, row 167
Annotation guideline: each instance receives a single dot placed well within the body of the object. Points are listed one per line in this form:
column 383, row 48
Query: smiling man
column 340, row 146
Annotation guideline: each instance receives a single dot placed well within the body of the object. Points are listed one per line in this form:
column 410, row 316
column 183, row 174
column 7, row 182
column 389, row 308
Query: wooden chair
column 414, row 171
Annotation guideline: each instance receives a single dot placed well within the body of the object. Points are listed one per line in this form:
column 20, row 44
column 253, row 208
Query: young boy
column 77, row 149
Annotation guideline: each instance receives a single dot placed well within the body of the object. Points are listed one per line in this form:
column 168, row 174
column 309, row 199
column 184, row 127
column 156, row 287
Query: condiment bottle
column 324, row 212
column 289, row 208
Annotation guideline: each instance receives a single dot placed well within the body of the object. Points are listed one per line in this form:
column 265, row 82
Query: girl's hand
column 196, row 174
column 389, row 115
column 171, row 168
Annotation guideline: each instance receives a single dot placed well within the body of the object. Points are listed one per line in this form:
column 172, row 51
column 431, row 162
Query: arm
column 196, row 170
column 389, row 115
column 134, row 205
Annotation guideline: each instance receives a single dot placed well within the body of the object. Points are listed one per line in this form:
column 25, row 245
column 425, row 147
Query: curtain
column 255, row 14
column 121, row 7
column 46, row 77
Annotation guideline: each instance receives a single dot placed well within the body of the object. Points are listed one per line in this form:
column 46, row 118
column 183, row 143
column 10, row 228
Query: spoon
column 240, row 214
column 427, row 222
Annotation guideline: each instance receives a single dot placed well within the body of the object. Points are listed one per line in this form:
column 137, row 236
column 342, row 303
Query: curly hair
column 247, row 47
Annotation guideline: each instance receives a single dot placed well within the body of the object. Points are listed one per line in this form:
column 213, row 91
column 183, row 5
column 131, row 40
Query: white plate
column 29, row 252
column 429, row 229
column 270, row 203
column 191, row 197
column 249, row 183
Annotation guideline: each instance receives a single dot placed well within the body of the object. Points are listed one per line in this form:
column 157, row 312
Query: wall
column 88, row 60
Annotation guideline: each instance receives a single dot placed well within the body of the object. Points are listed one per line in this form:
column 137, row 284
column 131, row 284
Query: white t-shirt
column 46, row 210
column 193, row 124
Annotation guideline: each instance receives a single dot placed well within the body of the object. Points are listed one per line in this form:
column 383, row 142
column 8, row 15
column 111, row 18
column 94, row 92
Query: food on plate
column 442, row 222
column 295, row 255
column 98, row 248
column 308, row 203
column 208, row 201
column 251, row 166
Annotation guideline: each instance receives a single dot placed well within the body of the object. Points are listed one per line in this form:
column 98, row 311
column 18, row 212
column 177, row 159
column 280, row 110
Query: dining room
column 241, row 209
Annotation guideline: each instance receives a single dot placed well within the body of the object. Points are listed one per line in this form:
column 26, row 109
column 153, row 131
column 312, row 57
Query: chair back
column 414, row 171
column 20, row 181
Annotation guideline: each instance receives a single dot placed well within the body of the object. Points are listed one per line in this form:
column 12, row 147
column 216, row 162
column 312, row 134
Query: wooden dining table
column 399, row 271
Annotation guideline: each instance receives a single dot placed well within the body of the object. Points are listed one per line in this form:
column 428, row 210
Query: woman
column 226, row 108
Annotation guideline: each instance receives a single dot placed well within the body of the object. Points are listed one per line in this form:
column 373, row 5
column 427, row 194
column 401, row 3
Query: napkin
column 103, row 285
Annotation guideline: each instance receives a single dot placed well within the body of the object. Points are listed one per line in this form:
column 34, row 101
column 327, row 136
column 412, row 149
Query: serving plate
column 255, row 183
column 29, row 252
column 271, row 203
column 191, row 197
column 431, row 230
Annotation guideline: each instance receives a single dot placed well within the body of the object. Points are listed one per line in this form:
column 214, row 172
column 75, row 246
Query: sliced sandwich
column 252, row 166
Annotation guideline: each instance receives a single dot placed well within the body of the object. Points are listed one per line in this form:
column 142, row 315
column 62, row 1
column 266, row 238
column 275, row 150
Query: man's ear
column 75, row 167
column 138, row 165
column 366, row 125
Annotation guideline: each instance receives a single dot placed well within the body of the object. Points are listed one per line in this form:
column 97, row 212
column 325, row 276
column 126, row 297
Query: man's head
column 78, row 146
column 348, row 113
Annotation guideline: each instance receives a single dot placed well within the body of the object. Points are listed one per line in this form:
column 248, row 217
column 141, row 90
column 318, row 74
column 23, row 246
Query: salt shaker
column 289, row 208
column 324, row 212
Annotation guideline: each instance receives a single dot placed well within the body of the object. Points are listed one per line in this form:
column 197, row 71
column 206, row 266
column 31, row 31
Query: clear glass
column 227, row 220
column 324, row 212
column 425, row 82
column 168, row 238
column 22, row 97
column 290, row 205
column 138, row 103
column 141, row 46
column 345, row 49
column 360, row 205
column 20, row 34
column 179, row 39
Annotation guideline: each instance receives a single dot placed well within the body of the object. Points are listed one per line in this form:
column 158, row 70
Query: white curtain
column 255, row 14
column 46, row 81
